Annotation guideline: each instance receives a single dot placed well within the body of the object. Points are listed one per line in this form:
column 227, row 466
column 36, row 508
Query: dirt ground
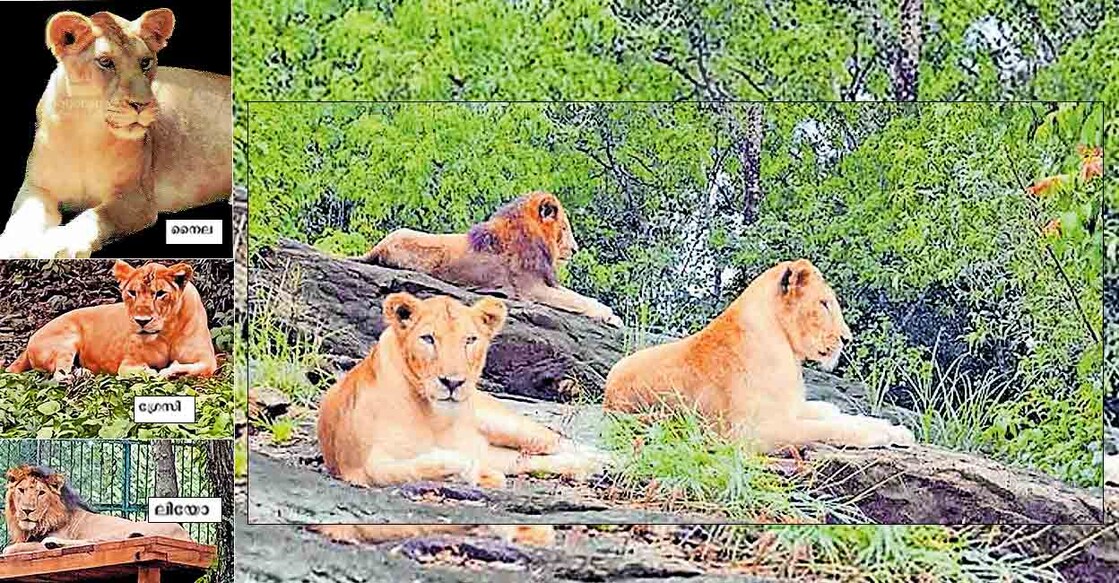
column 32, row 292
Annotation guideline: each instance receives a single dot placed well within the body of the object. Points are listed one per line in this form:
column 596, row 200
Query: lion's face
column 113, row 62
column 152, row 293
column 34, row 503
column 810, row 314
column 555, row 227
column 443, row 343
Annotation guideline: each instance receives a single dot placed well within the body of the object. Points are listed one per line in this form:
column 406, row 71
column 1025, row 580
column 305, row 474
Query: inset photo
column 119, row 131
column 101, row 510
column 112, row 349
column 582, row 313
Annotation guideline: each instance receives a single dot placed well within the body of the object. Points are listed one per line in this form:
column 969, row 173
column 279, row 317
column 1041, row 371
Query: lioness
column 43, row 512
column 744, row 369
column 160, row 328
column 116, row 138
column 411, row 410
column 517, row 251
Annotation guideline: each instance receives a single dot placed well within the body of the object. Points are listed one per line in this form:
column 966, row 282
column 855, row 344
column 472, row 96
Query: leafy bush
column 31, row 404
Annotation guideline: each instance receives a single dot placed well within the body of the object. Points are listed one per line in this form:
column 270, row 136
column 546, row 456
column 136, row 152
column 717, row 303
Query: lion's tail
column 21, row 364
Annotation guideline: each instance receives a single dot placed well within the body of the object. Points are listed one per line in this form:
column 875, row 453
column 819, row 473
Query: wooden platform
column 150, row 559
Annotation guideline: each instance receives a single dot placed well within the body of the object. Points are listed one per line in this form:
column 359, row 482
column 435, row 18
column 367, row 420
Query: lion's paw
column 52, row 542
column 579, row 465
column 453, row 464
column 20, row 247
column 63, row 243
column 901, row 435
column 173, row 371
column 608, row 317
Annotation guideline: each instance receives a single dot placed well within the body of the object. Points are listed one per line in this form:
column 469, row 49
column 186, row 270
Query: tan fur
column 393, row 418
column 529, row 224
column 743, row 370
column 173, row 341
column 38, row 519
column 118, row 138
column 536, row 535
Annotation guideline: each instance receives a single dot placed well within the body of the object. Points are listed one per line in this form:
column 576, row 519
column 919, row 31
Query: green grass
column 1046, row 426
column 34, row 405
column 878, row 553
column 679, row 461
column 282, row 359
column 279, row 357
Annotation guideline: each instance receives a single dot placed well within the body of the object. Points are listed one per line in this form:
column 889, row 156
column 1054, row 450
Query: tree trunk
column 166, row 477
column 907, row 57
column 749, row 147
column 219, row 473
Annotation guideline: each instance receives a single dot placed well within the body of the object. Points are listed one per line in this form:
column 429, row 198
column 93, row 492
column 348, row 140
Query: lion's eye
column 131, row 293
column 471, row 340
column 160, row 294
column 105, row 63
column 145, row 63
column 428, row 339
column 825, row 304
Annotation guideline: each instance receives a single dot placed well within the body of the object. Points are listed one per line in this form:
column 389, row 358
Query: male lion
column 744, row 369
column 117, row 139
column 43, row 512
column 411, row 410
column 516, row 251
column 160, row 328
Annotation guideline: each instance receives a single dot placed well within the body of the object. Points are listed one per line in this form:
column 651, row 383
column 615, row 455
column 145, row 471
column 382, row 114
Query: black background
column 201, row 40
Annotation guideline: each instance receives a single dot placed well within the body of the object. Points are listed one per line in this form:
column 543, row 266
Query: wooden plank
column 110, row 559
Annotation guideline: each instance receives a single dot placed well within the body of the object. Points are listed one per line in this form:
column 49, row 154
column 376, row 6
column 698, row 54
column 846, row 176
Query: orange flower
column 1044, row 185
column 1052, row 228
column 1091, row 162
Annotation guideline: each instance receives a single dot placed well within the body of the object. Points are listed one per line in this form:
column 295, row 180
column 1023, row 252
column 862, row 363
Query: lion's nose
column 451, row 384
column 141, row 322
column 140, row 105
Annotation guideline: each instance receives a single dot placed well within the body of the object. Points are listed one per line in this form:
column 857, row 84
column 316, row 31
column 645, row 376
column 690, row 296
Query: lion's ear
column 122, row 270
column 548, row 211
column 156, row 27
column 400, row 309
column 68, row 33
column 18, row 473
column 491, row 313
column 797, row 274
column 181, row 273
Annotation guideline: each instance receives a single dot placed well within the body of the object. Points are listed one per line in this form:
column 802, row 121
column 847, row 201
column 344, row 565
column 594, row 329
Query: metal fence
column 115, row 477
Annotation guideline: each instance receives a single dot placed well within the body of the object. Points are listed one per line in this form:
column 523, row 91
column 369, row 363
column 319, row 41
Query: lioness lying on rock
column 411, row 409
column 744, row 370
column 119, row 136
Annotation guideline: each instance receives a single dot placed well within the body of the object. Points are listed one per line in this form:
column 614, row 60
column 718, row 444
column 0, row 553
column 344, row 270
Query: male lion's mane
column 508, row 232
column 66, row 502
